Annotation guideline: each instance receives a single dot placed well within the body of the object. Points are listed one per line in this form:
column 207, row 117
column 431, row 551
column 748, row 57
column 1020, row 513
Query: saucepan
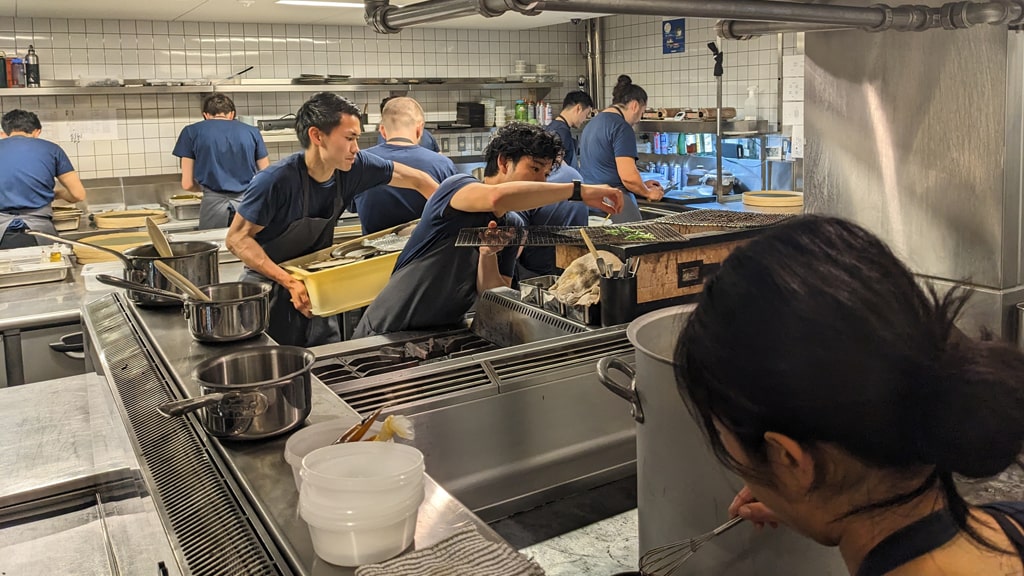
column 235, row 311
column 250, row 394
column 196, row 261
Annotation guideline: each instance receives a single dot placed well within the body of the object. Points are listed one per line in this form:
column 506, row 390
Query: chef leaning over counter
column 291, row 207
column 28, row 166
column 434, row 282
column 608, row 151
column 219, row 157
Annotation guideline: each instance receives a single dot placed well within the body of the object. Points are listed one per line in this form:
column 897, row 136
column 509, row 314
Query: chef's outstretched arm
column 241, row 241
column 508, row 196
column 73, row 190
column 406, row 177
column 488, row 275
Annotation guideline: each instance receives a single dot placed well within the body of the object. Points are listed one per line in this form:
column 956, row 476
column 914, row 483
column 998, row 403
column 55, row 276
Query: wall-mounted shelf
column 541, row 88
column 730, row 129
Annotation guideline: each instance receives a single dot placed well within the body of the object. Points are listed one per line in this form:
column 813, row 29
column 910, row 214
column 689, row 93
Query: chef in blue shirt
column 219, row 157
column 28, row 166
column 608, row 149
column 290, row 209
column 576, row 107
column 434, row 282
column 384, row 206
column 426, row 140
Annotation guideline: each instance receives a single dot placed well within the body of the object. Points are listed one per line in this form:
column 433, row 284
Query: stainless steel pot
column 252, row 393
column 236, row 310
column 682, row 489
column 196, row 261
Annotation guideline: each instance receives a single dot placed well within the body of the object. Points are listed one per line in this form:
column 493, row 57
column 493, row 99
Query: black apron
column 307, row 234
column 931, row 533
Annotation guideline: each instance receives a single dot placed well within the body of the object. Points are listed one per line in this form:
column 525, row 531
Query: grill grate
column 208, row 523
column 639, row 233
column 366, row 397
column 724, row 219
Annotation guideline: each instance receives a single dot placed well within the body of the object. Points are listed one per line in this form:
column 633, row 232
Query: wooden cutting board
column 773, row 198
column 119, row 241
column 128, row 218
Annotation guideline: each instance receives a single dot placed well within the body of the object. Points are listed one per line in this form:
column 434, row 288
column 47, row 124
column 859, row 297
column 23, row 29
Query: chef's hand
column 497, row 239
column 654, row 190
column 602, row 197
column 300, row 298
column 747, row 507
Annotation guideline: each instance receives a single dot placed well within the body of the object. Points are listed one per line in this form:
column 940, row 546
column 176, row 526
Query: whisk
column 665, row 560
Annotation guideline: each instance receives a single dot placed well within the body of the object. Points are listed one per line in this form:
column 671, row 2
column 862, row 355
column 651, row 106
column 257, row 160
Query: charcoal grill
column 723, row 219
column 639, row 233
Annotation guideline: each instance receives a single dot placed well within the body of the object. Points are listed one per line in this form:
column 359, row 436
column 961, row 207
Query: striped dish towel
column 465, row 553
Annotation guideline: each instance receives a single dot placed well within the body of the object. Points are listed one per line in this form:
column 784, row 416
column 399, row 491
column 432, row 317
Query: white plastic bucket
column 370, row 469
column 309, row 438
column 354, row 543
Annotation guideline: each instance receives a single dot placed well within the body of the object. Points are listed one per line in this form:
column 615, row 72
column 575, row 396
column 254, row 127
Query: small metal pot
column 252, row 393
column 196, row 261
column 235, row 311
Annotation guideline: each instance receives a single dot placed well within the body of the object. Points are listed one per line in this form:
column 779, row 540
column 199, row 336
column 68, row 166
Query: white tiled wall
column 149, row 124
column 633, row 46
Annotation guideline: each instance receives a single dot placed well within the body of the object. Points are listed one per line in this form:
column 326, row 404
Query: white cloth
column 465, row 553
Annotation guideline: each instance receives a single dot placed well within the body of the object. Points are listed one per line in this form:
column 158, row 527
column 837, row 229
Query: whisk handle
column 725, row 527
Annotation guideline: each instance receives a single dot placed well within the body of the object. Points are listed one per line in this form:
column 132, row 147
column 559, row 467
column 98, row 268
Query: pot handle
column 182, row 407
column 604, row 368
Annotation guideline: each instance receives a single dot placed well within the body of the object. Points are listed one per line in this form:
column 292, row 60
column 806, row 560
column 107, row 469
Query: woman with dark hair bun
column 856, row 403
column 608, row 149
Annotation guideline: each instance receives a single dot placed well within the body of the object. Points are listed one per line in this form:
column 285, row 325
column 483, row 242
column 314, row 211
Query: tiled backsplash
column 148, row 125
column 633, row 45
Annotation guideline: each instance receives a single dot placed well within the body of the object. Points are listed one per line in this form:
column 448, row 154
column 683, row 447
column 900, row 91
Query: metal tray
column 535, row 292
column 24, row 266
column 639, row 233
column 723, row 219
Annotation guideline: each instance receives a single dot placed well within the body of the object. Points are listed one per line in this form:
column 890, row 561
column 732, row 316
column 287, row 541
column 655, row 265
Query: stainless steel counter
column 259, row 466
column 41, row 305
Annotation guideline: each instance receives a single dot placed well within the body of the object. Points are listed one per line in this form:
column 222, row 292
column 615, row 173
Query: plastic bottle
column 750, row 104
column 547, row 114
column 677, row 173
column 17, row 76
column 664, row 142
column 32, row 68
column 521, row 114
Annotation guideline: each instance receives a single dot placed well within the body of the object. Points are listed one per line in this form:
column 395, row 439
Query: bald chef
column 290, row 209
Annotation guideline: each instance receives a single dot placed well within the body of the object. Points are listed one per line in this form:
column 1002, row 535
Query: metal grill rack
column 724, row 219
column 639, row 233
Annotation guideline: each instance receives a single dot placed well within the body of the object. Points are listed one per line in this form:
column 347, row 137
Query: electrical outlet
column 793, row 89
column 793, row 66
column 797, row 148
column 792, row 113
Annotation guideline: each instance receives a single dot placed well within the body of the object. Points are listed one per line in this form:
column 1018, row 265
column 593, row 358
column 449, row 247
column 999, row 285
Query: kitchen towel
column 465, row 553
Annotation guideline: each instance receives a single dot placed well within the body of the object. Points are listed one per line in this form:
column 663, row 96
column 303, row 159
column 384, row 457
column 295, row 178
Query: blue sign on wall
column 673, row 36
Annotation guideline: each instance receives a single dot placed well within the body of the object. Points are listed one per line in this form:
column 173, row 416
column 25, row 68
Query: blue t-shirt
column 607, row 137
column 427, row 141
column 225, row 153
column 540, row 260
column 568, row 142
column 434, row 282
column 274, row 197
column 382, row 207
column 27, row 169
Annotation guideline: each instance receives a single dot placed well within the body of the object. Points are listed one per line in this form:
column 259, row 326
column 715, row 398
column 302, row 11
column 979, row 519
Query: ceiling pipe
column 388, row 19
column 950, row 16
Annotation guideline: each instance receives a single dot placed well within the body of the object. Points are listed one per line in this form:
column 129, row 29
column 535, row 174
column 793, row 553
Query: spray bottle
column 750, row 104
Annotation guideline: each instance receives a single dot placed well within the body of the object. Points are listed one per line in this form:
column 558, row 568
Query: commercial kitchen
column 908, row 120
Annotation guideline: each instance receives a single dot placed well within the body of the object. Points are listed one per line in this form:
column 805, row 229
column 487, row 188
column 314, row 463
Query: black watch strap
column 577, row 191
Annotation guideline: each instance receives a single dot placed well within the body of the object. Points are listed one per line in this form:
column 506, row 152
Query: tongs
column 359, row 429
column 601, row 266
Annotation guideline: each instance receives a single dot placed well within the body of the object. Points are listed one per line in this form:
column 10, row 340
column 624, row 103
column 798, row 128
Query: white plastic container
column 309, row 438
column 361, row 500
column 365, row 541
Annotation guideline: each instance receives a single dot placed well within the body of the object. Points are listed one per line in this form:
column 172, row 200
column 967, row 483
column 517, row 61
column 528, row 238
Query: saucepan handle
column 182, row 407
column 604, row 368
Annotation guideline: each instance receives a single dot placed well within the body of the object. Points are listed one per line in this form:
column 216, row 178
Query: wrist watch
column 577, row 191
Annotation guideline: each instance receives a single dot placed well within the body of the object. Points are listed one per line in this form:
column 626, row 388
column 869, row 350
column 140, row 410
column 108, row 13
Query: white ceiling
column 234, row 11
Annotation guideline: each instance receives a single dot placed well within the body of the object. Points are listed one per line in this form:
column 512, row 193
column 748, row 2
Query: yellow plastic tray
column 346, row 287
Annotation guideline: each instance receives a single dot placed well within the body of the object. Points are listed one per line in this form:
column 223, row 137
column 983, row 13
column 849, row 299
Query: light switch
column 797, row 148
column 792, row 113
column 793, row 66
column 793, row 89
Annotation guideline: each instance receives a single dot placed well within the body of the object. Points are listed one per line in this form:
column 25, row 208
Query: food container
column 536, row 292
column 310, row 438
column 250, row 394
column 361, row 500
column 33, row 265
column 184, row 207
column 66, row 218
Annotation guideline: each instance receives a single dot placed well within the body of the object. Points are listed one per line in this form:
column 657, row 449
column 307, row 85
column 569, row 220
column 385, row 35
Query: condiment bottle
column 32, row 68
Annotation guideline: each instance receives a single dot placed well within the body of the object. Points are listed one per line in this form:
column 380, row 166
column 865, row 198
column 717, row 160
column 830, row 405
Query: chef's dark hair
column 20, row 121
column 817, row 331
column 517, row 140
column 625, row 92
column 577, row 97
column 324, row 111
column 218, row 103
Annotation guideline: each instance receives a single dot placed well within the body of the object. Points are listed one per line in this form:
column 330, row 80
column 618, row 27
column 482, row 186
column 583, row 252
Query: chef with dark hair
column 290, row 209
column 219, row 157
column 28, row 167
column 434, row 282
column 576, row 108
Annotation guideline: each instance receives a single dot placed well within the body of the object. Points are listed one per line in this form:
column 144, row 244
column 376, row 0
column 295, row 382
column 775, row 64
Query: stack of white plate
column 489, row 106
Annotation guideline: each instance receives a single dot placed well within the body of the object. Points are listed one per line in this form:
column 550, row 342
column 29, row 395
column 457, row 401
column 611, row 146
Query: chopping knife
column 601, row 266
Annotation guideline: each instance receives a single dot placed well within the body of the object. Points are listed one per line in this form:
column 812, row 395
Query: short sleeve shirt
column 607, row 137
column 28, row 167
column 225, row 153
column 382, row 207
